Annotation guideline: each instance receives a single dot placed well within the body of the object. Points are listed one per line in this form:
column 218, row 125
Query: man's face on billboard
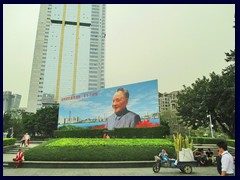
column 119, row 101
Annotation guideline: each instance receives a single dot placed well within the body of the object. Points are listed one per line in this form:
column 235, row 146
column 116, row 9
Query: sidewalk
column 197, row 171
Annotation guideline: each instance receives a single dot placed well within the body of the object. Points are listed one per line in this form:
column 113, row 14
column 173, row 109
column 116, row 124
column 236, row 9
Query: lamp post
column 11, row 135
column 210, row 118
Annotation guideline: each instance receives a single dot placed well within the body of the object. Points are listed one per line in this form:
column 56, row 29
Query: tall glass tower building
column 69, row 55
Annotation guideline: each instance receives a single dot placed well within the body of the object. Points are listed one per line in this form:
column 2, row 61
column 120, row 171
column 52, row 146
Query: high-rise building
column 69, row 54
column 10, row 101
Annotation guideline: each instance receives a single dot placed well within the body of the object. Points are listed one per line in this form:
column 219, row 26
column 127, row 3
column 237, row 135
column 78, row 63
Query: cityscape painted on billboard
column 91, row 109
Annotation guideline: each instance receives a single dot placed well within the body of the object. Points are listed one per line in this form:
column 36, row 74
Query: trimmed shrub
column 150, row 132
column 9, row 141
column 80, row 133
column 231, row 142
column 93, row 149
column 69, row 128
column 208, row 140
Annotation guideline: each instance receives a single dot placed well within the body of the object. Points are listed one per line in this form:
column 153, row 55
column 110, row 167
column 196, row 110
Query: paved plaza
column 197, row 171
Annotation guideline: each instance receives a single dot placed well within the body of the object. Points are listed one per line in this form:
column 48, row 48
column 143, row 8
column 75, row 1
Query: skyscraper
column 10, row 101
column 69, row 55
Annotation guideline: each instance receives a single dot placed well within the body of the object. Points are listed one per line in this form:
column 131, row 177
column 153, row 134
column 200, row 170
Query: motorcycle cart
column 185, row 163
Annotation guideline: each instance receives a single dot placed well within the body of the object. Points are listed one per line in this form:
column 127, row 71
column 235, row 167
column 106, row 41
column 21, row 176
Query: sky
column 173, row 43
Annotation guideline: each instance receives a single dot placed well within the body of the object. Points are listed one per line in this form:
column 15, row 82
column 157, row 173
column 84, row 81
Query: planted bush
column 208, row 140
column 150, row 132
column 94, row 149
column 9, row 141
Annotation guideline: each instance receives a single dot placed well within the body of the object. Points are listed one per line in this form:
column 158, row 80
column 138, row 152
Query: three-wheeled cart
column 185, row 163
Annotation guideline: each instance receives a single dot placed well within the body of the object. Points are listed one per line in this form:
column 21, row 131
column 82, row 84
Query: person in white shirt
column 27, row 139
column 227, row 159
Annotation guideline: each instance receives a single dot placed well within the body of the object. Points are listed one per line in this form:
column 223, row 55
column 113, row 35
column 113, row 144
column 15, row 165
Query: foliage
column 43, row 123
column 106, row 142
column 88, row 149
column 9, row 141
column 230, row 142
column 208, row 140
column 214, row 96
column 171, row 120
column 6, row 121
column 69, row 128
column 28, row 119
column 13, row 119
column 149, row 132
column 182, row 142
column 46, row 120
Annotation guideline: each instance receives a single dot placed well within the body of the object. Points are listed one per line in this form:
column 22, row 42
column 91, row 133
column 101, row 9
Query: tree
column 29, row 123
column 13, row 119
column 6, row 120
column 215, row 96
column 192, row 104
column 170, row 119
column 46, row 120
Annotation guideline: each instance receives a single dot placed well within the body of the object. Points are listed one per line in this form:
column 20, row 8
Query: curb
column 79, row 164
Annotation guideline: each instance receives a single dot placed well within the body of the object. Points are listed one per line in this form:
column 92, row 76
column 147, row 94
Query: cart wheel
column 187, row 169
column 156, row 167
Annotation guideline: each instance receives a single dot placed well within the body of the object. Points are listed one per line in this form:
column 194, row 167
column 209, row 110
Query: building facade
column 168, row 103
column 69, row 54
column 10, row 101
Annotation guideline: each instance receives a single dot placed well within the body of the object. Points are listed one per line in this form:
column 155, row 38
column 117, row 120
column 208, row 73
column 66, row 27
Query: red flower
column 99, row 127
column 146, row 123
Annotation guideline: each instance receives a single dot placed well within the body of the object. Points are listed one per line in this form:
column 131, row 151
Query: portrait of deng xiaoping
column 131, row 105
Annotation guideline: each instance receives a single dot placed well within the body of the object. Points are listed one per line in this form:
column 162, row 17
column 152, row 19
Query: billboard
column 132, row 105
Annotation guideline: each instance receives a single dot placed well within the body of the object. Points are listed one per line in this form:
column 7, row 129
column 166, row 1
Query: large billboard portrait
column 132, row 105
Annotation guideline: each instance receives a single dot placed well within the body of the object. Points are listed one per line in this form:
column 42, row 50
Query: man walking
column 227, row 159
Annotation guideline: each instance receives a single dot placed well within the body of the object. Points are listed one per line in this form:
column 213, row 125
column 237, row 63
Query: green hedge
column 153, row 132
column 208, row 140
column 231, row 142
column 150, row 132
column 81, row 133
column 94, row 149
column 9, row 141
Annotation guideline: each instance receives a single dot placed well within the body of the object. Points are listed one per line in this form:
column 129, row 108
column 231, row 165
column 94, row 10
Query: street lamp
column 210, row 118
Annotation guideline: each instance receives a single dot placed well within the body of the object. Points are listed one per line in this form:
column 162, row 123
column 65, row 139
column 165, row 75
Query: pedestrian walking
column 227, row 167
column 27, row 139
column 22, row 141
